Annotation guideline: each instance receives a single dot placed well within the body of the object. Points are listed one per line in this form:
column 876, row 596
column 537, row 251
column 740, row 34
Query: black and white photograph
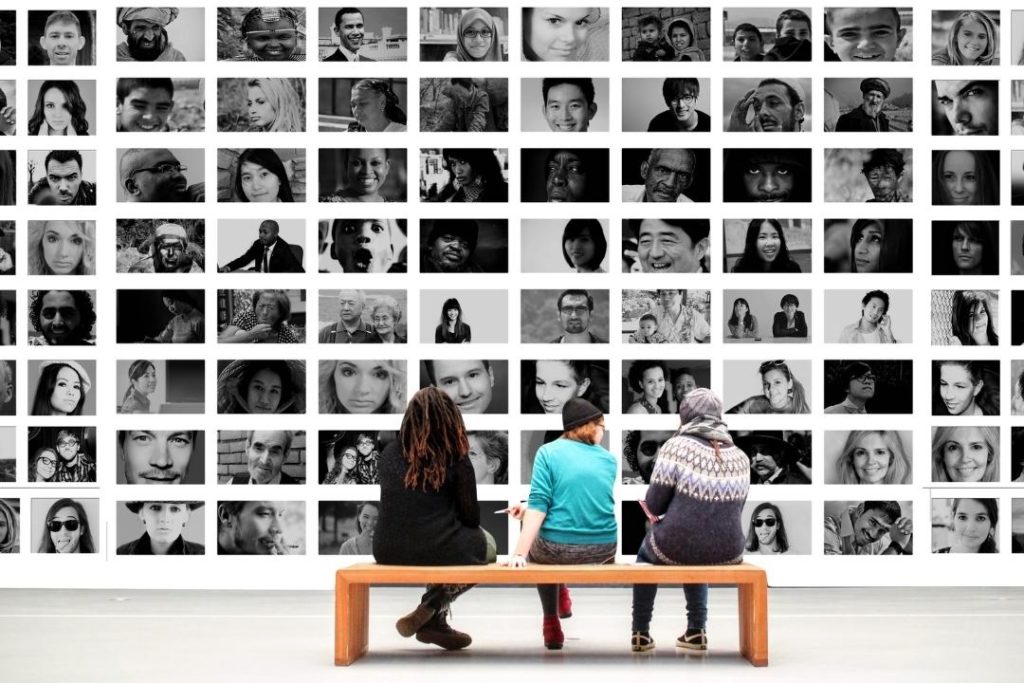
column 363, row 105
column 1016, row 455
column 8, row 386
column 261, row 105
column 556, row 245
column 160, row 175
column 965, row 455
column 564, row 105
column 362, row 316
column 965, row 317
column 261, row 175
column 1017, row 316
column 965, row 37
column 8, row 464
column 8, row 317
column 666, row 105
column 160, row 386
column 531, row 441
column 476, row 386
column 488, row 453
column 59, row 248
column 966, row 247
column 782, row 527
column 160, row 105
column 1017, row 389
column 363, row 34
column 548, row 384
column 272, row 245
column 965, row 525
column 965, row 388
column 666, row 316
column 8, row 99
column 962, row 177
column 8, row 38
column 261, row 527
column 61, row 37
column 261, row 316
column 59, row 177
column 160, row 456
column 1017, row 522
column 59, row 387
column 463, row 245
column 767, row 105
column 1016, row 176
column 347, row 527
column 466, row 316
column 1016, row 107
column 746, row 313
column 876, row 316
column 261, row 457
column 666, row 175
column 478, row 174
column 10, row 524
column 768, row 34
column 666, row 34
column 640, row 453
column 869, row 175
column 58, row 317
column 654, row 387
column 8, row 247
column 566, row 34
column 363, row 245
column 464, row 105
column 62, row 108
column 568, row 316
column 564, row 175
column 869, row 245
column 767, row 245
column 774, row 386
column 351, row 457
column 157, row 245
column 457, row 34
column 161, row 316
column 666, row 245
column 858, row 387
column 66, row 525
column 872, row 34
column 871, row 527
column 767, row 175
column 8, row 179
column 869, row 456
column 362, row 387
column 362, row 175
column 869, row 105
column 71, row 450
column 965, row 107
column 161, row 527
column 261, row 386
column 261, row 34
column 777, row 457
column 161, row 34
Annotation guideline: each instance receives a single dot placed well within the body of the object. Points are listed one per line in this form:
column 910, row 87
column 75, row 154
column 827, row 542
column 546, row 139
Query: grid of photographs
column 886, row 247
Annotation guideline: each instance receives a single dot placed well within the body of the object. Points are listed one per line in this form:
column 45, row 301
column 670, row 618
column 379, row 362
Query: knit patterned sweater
column 701, row 496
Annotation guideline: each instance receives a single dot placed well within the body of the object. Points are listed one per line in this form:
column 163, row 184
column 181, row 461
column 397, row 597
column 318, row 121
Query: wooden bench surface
column 383, row 574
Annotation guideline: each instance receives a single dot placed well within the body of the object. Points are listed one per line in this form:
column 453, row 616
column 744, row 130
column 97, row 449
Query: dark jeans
column 645, row 593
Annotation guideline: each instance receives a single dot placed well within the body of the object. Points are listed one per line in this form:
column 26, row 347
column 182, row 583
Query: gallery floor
column 892, row 634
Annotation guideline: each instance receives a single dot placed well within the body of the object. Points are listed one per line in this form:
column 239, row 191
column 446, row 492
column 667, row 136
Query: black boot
column 436, row 631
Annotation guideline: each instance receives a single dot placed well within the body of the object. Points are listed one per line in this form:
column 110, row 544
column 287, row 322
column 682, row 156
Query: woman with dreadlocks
column 429, row 513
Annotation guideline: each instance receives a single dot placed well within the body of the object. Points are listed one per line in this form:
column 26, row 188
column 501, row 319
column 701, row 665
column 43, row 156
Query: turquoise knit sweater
column 572, row 483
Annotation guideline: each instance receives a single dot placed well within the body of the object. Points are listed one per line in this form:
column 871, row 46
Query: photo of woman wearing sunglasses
column 66, row 527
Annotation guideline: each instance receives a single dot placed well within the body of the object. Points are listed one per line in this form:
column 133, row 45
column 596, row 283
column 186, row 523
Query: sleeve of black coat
column 466, row 507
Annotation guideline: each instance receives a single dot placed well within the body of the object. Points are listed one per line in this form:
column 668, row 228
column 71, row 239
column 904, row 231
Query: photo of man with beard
column 639, row 453
column 145, row 30
column 868, row 117
column 449, row 247
column 773, row 105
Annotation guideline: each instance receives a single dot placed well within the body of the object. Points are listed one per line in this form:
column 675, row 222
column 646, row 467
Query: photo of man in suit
column 268, row 254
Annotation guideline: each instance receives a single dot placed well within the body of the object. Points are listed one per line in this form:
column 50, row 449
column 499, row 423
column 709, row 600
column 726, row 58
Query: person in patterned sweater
column 699, row 484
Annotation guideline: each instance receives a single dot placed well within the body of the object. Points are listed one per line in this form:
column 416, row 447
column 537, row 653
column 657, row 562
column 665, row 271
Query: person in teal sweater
column 569, row 517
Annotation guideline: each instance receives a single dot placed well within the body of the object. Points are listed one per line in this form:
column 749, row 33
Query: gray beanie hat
column 700, row 403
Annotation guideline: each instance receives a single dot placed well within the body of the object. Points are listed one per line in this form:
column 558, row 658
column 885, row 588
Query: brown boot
column 414, row 620
column 437, row 632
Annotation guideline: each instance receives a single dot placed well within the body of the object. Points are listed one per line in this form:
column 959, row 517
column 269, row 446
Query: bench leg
column 351, row 621
column 753, row 608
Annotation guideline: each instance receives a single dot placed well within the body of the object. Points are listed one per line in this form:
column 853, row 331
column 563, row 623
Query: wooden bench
column 352, row 593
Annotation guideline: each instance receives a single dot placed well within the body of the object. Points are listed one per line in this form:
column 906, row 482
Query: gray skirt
column 549, row 552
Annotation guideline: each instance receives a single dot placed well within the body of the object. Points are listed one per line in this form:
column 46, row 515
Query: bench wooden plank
column 352, row 593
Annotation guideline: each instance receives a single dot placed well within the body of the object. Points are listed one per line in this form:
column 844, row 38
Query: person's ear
column 899, row 37
column 132, row 187
column 81, row 42
column 490, row 373
column 799, row 110
column 829, row 41
column 977, row 389
column 387, row 166
column 591, row 111
column 8, row 393
column 42, row 42
column 644, row 168
column 584, row 385
column 701, row 248
column 223, row 516
column 492, row 464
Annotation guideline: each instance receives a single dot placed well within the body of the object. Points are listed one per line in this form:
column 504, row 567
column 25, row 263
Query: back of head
column 432, row 436
column 700, row 403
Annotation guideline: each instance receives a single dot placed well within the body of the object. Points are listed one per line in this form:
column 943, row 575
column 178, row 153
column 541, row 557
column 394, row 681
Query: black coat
column 282, row 260
column 856, row 121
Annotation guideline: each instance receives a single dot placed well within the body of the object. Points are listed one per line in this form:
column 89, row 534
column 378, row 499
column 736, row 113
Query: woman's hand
column 517, row 511
column 516, row 561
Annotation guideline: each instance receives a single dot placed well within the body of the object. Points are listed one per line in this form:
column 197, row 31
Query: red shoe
column 564, row 602
column 553, row 637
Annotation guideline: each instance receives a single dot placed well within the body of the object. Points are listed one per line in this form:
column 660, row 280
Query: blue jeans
column 645, row 593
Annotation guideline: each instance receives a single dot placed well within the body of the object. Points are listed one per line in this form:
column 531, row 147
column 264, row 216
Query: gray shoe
column 414, row 620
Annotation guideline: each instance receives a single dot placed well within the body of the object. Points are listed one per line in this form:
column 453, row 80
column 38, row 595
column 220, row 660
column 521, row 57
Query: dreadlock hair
column 432, row 436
